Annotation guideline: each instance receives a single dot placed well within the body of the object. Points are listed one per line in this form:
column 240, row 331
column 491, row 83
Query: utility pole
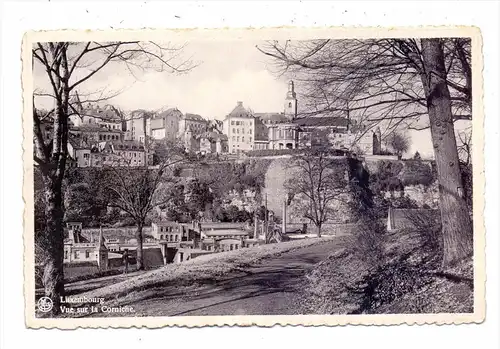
column 146, row 153
column 266, row 225
column 283, row 221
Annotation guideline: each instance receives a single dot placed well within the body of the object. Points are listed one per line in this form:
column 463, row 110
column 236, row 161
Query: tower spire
column 291, row 102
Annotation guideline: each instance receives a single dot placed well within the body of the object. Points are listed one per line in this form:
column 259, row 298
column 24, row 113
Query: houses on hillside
column 104, row 135
column 168, row 242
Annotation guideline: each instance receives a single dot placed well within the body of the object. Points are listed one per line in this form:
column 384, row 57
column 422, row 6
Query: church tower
column 291, row 102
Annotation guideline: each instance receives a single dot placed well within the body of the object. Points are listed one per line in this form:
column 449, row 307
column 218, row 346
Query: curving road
column 270, row 288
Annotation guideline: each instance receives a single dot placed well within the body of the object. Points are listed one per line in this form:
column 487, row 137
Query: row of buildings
column 101, row 136
column 168, row 242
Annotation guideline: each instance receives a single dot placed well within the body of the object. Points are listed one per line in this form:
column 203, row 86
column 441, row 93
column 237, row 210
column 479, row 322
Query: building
column 118, row 153
column 166, row 124
column 287, row 130
column 239, row 126
column 79, row 152
column 212, row 142
column 194, row 123
column 169, row 231
column 77, row 248
column 138, row 125
column 105, row 252
column 93, row 133
column 291, row 102
column 321, row 131
column 92, row 114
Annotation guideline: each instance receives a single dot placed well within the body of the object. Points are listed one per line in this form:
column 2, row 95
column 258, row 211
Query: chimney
column 239, row 103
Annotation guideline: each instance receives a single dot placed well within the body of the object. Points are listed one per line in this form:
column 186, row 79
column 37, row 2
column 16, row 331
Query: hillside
column 403, row 277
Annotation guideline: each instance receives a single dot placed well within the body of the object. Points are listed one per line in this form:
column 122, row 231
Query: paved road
column 270, row 288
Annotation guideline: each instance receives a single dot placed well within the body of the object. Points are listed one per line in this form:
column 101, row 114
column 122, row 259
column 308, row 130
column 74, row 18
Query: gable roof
column 168, row 112
column 107, row 113
column 194, row 117
column 240, row 112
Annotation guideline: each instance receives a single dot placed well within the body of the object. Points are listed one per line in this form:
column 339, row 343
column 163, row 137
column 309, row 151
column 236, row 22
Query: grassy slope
column 407, row 279
column 203, row 267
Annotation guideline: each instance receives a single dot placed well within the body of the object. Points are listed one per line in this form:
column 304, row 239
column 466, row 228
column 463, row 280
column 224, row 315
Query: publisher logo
column 45, row 304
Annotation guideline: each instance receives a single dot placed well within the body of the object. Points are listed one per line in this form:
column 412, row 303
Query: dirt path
column 270, row 288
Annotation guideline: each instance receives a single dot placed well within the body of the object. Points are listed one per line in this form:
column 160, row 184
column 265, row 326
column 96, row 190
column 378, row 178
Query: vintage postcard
column 293, row 176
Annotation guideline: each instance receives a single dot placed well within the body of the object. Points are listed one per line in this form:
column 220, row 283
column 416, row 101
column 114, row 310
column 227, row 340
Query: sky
column 226, row 72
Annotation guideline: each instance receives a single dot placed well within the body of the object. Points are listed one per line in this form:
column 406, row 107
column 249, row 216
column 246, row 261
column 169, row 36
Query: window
column 232, row 122
column 170, row 238
column 65, row 254
column 234, row 131
column 234, row 138
column 238, row 138
column 77, row 254
column 242, row 138
column 250, row 131
column 87, row 254
column 100, row 137
column 231, row 247
column 289, row 104
column 237, row 130
column 176, row 237
column 86, row 156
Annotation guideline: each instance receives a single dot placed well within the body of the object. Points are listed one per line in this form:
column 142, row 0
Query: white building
column 239, row 126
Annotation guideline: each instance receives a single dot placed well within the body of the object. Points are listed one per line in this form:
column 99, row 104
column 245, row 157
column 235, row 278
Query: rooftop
column 239, row 111
column 126, row 145
column 272, row 117
column 194, row 117
column 166, row 224
column 213, row 135
column 93, row 128
column 322, row 121
column 107, row 113
column 224, row 232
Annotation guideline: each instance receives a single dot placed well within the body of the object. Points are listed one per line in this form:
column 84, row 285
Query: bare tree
column 67, row 67
column 137, row 190
column 395, row 82
column 398, row 142
column 321, row 180
column 465, row 145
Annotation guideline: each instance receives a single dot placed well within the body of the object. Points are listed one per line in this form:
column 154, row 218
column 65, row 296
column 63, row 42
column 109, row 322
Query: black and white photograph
column 254, row 175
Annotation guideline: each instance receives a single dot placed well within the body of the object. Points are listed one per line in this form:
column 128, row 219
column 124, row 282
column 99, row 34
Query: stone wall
column 277, row 174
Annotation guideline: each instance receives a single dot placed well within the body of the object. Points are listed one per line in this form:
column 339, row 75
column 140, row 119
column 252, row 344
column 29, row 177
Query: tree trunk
column 140, row 254
column 53, row 244
column 318, row 230
column 456, row 222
